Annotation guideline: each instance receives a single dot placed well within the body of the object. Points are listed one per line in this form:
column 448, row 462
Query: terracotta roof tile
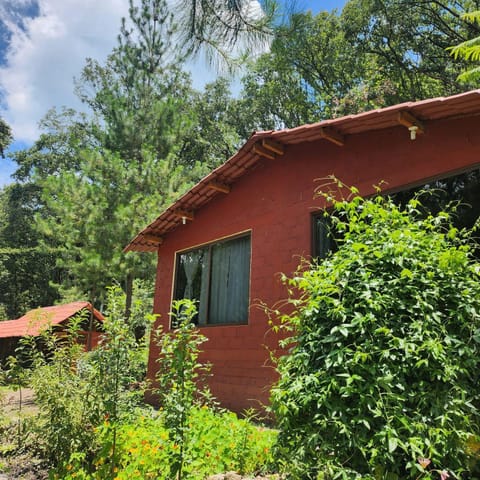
column 460, row 105
column 35, row 321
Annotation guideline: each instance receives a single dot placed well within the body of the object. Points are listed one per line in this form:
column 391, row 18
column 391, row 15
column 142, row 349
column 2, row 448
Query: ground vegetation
column 90, row 420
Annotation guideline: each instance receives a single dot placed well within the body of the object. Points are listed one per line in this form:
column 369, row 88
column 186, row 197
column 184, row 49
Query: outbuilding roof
column 35, row 321
column 270, row 144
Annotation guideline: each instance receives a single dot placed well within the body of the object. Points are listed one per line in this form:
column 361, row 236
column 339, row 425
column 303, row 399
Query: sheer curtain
column 195, row 273
column 190, row 262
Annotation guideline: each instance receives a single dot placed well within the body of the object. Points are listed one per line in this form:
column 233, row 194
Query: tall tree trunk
column 128, row 296
column 139, row 329
column 90, row 322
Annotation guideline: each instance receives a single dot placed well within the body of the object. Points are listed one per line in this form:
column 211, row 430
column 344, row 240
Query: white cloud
column 49, row 41
column 46, row 52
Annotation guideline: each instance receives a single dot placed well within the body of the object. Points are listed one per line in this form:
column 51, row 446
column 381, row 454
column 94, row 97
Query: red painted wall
column 275, row 201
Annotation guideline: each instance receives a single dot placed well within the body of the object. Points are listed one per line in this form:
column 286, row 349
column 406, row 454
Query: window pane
column 217, row 276
column 229, row 281
column 191, row 278
column 323, row 242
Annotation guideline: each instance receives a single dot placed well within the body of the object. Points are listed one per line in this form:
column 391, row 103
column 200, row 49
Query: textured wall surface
column 275, row 202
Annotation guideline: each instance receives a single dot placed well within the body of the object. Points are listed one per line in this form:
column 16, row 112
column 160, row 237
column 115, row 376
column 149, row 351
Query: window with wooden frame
column 217, row 276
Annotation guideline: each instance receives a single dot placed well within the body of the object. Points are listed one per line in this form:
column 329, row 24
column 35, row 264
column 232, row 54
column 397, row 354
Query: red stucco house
column 226, row 241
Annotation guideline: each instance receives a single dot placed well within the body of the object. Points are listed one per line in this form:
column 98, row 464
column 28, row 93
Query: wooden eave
column 273, row 144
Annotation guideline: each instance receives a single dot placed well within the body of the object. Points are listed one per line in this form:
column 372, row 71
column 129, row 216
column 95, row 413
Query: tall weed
column 180, row 377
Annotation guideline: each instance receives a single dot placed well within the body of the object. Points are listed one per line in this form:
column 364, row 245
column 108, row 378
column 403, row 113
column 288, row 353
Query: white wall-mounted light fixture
column 413, row 132
column 414, row 125
column 184, row 215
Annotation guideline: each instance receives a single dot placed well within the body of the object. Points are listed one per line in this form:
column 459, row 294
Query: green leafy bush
column 65, row 419
column 382, row 380
column 75, row 391
column 144, row 449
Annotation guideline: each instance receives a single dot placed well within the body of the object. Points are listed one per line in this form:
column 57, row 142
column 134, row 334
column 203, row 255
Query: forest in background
column 93, row 179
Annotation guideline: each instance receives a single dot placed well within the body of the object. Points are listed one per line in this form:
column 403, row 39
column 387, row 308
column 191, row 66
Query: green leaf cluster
column 76, row 391
column 469, row 50
column 144, row 449
column 384, row 362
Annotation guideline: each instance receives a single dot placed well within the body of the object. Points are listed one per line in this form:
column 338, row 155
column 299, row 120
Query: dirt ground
column 22, row 467
column 19, row 466
column 10, row 401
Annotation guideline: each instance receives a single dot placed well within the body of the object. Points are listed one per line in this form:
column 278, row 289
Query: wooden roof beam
column 332, row 136
column 414, row 125
column 151, row 238
column 184, row 215
column 219, row 187
column 263, row 152
column 272, row 146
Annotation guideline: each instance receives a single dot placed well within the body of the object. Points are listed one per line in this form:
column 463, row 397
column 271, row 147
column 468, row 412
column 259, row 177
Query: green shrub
column 383, row 374
column 144, row 449
column 221, row 442
column 76, row 391
column 64, row 421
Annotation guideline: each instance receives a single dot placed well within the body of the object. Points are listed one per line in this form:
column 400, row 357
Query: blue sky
column 43, row 46
column 318, row 5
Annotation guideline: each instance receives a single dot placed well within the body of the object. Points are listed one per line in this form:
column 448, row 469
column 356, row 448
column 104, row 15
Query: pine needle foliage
column 382, row 377
column 227, row 32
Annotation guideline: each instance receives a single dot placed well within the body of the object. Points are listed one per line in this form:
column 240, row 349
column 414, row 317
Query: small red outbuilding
column 34, row 322
column 226, row 241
